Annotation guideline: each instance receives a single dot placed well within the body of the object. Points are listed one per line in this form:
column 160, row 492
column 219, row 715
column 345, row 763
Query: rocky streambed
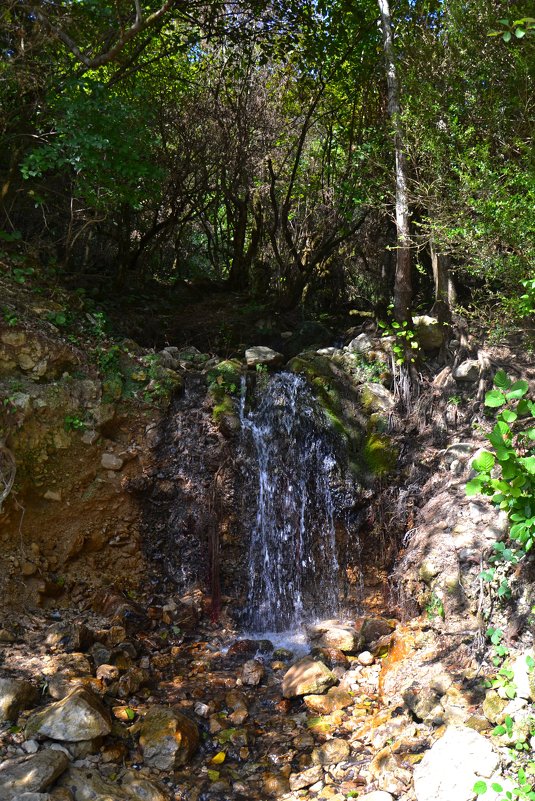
column 134, row 701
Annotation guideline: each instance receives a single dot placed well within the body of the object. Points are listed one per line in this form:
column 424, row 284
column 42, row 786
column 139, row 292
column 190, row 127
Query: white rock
column 50, row 495
column 521, row 674
column 377, row 795
column 366, row 658
column 361, row 344
column 452, row 766
column 262, row 355
column 467, row 371
column 110, row 461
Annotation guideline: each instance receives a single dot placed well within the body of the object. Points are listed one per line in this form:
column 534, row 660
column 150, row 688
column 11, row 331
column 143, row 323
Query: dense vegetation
column 257, row 145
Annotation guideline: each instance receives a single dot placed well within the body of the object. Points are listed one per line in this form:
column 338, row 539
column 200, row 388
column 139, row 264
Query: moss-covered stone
column 224, row 379
column 380, row 455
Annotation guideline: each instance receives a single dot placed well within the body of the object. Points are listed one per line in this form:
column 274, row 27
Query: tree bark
column 403, row 276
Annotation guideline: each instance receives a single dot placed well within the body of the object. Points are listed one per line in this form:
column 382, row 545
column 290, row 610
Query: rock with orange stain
column 168, row 738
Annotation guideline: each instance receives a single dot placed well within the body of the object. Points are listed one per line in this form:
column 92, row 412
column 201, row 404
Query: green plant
column 20, row 274
column 434, row 607
column 9, row 316
column 58, row 318
column 455, row 400
column 405, row 346
column 73, row 422
column 512, row 439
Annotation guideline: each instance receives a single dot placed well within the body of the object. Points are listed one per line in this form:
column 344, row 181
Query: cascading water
column 293, row 566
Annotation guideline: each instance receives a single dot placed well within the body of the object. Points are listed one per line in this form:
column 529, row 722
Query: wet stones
column 307, row 677
column 78, row 717
column 252, row 673
column 168, row 738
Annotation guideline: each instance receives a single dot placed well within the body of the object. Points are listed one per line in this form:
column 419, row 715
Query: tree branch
column 126, row 36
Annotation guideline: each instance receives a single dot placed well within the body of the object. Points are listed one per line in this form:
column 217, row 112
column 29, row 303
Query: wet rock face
column 168, row 739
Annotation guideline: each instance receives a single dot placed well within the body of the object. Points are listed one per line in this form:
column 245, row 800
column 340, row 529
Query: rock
column 110, row 461
column 467, row 370
column 331, row 752
column 493, row 707
column 15, row 695
column 335, row 698
column 522, row 674
column 262, row 355
column 375, row 398
column 131, row 681
column 168, row 738
column 252, row 673
column 78, row 717
column 428, row 331
column 366, row 658
column 372, row 628
column 332, row 657
column 65, row 672
column 31, row 774
column 89, row 785
column 452, row 766
column 361, row 344
column 307, row 677
column 376, row 795
column 332, row 634
column 306, row 777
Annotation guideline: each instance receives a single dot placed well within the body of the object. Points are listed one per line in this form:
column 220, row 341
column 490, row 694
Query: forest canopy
column 257, row 145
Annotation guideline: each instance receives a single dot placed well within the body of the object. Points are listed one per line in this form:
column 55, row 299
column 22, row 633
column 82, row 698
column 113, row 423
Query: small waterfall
column 293, row 566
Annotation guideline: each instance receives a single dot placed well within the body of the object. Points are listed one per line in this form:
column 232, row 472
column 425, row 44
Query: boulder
column 334, row 699
column 15, row 695
column 333, row 634
column 361, row 344
column 428, row 331
column 452, row 766
column 467, row 371
column 31, row 774
column 78, row 717
column 307, row 677
column 331, row 752
column 89, row 785
column 168, row 738
column 306, row 778
column 263, row 356
column 110, row 461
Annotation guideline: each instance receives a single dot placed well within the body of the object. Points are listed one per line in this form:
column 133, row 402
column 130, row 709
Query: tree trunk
column 403, row 277
column 444, row 289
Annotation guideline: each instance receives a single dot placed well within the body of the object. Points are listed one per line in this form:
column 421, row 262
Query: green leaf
column 508, row 416
column 473, row 487
column 480, row 787
column 517, row 390
column 498, row 731
column 507, row 36
column 519, row 33
column 484, row 462
column 502, row 380
column 494, row 398
column 497, row 787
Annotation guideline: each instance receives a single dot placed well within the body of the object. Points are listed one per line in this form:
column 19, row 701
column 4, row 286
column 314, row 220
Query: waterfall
column 292, row 563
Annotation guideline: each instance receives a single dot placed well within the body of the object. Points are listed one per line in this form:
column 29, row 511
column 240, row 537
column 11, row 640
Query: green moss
column 225, row 406
column 380, row 456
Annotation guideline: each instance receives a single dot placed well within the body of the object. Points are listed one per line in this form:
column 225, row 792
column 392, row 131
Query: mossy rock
column 381, row 457
column 112, row 388
column 225, row 378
